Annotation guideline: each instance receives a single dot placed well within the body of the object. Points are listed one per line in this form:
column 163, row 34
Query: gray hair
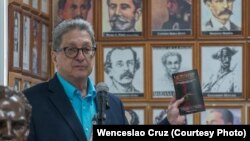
column 69, row 25
column 166, row 55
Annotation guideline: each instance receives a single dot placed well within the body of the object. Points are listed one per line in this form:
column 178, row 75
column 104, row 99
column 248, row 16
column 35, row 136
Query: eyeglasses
column 72, row 52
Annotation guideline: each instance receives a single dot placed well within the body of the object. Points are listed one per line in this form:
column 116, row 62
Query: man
column 180, row 15
column 220, row 117
column 172, row 64
column 15, row 113
column 221, row 11
column 69, row 9
column 123, row 14
column 64, row 107
column 121, row 69
column 225, row 80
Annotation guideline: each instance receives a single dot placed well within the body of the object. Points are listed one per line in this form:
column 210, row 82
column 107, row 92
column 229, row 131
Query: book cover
column 187, row 85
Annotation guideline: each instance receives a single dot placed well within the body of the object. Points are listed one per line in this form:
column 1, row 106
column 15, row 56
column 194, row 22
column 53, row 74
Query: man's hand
column 173, row 114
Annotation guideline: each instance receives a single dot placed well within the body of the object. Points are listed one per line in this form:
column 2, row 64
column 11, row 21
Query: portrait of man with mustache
column 222, row 11
column 121, row 65
column 123, row 14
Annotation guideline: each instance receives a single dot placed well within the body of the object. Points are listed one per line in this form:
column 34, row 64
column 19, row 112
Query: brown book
column 187, row 85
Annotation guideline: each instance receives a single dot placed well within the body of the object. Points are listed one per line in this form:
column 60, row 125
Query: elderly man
column 220, row 117
column 65, row 106
column 15, row 113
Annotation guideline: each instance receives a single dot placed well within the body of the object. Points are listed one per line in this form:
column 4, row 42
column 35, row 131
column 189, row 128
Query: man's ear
column 138, row 13
column 53, row 57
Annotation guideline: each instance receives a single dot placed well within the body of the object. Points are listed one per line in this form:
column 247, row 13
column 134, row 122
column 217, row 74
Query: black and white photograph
column 221, row 116
column 171, row 17
column 158, row 114
column 222, row 17
column 122, row 18
column 16, row 37
column 45, row 48
column 135, row 116
column 26, row 43
column 124, row 72
column 166, row 61
column 35, row 47
column 222, row 68
column 45, row 6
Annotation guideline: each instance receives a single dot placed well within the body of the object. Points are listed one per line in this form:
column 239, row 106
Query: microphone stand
column 100, row 116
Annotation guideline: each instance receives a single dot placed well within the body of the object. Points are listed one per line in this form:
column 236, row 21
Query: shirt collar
column 71, row 89
column 217, row 25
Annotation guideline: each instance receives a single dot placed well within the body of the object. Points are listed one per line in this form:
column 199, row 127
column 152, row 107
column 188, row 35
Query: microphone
column 102, row 102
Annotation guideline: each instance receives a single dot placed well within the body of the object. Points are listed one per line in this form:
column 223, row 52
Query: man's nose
column 118, row 11
column 225, row 4
column 77, row 11
column 80, row 55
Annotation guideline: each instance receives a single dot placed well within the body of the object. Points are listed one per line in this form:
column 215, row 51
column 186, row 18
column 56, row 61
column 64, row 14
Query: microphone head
column 101, row 86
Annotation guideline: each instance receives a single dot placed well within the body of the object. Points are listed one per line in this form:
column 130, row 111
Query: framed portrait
column 124, row 74
column 36, row 46
column 222, row 115
column 16, row 39
column 135, row 115
column 165, row 20
column 26, row 43
column 62, row 12
column 166, row 60
column 15, row 81
column 45, row 52
column 222, row 70
column 35, row 4
column 159, row 113
column 122, row 19
column 45, row 6
column 226, row 21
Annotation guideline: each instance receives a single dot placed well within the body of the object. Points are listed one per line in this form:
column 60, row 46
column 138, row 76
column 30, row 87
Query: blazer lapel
column 63, row 105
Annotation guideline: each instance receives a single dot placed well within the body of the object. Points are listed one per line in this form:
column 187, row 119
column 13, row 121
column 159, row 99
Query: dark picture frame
column 236, row 110
column 168, row 59
column 133, row 29
column 122, row 68
column 212, row 86
column 166, row 22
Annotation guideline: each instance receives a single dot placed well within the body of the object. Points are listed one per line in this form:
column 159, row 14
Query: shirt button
column 87, row 129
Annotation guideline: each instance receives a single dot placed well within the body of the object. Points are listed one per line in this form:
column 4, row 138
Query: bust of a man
column 15, row 113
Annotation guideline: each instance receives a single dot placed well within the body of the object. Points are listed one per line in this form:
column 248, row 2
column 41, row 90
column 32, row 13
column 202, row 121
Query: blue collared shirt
column 84, row 107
